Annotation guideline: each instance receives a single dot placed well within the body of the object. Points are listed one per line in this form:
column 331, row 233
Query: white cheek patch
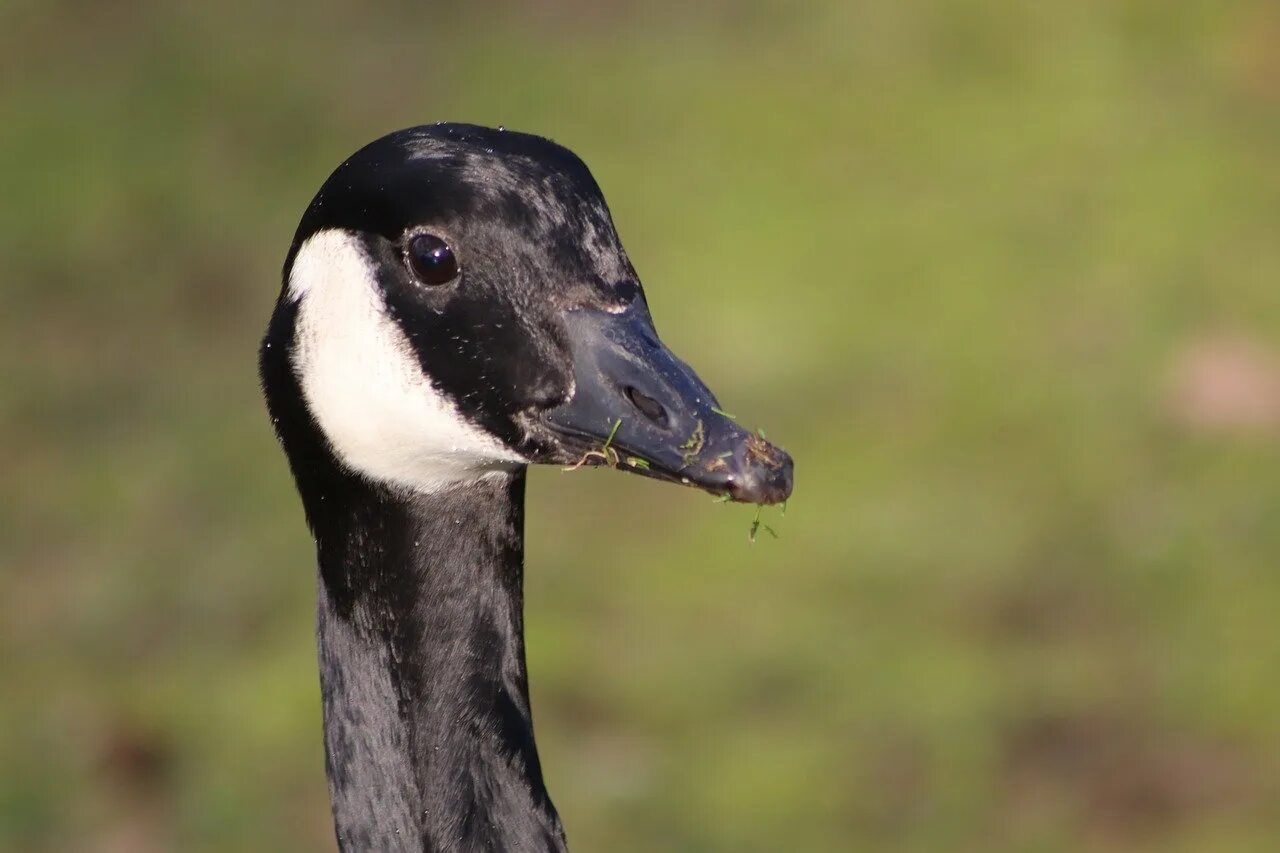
column 363, row 383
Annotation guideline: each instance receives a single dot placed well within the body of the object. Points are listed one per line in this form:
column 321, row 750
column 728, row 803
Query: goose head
column 457, row 302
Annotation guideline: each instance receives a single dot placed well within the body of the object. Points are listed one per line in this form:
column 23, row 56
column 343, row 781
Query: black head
column 456, row 300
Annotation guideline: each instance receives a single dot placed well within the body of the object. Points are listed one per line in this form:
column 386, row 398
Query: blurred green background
column 1004, row 277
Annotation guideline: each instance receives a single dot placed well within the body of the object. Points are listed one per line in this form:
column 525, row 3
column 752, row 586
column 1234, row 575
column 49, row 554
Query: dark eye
column 432, row 260
column 627, row 291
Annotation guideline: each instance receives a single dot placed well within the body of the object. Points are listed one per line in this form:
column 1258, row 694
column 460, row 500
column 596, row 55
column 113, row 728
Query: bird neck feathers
column 428, row 732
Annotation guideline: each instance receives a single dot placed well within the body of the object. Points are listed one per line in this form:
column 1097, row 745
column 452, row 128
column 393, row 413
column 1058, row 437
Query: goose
column 456, row 305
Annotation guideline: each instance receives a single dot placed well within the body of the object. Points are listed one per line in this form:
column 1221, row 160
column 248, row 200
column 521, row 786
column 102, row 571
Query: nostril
column 648, row 406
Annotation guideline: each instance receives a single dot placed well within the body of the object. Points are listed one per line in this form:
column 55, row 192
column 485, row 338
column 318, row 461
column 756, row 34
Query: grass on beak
column 757, row 525
column 692, row 445
column 607, row 454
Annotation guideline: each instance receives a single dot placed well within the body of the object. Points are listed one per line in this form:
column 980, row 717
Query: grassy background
column 1003, row 277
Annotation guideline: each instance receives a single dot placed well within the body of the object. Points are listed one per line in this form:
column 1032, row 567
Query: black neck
column 428, row 735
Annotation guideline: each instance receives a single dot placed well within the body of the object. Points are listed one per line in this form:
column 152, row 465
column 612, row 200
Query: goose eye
column 627, row 291
column 432, row 260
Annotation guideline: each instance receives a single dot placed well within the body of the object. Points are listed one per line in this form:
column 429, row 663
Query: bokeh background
column 1004, row 277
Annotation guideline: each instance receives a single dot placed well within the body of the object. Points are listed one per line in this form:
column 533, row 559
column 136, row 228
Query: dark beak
column 636, row 406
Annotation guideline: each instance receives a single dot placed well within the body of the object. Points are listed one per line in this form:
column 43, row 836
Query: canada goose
column 457, row 305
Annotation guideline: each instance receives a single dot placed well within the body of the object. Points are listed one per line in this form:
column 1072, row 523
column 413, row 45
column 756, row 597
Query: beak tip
column 766, row 477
